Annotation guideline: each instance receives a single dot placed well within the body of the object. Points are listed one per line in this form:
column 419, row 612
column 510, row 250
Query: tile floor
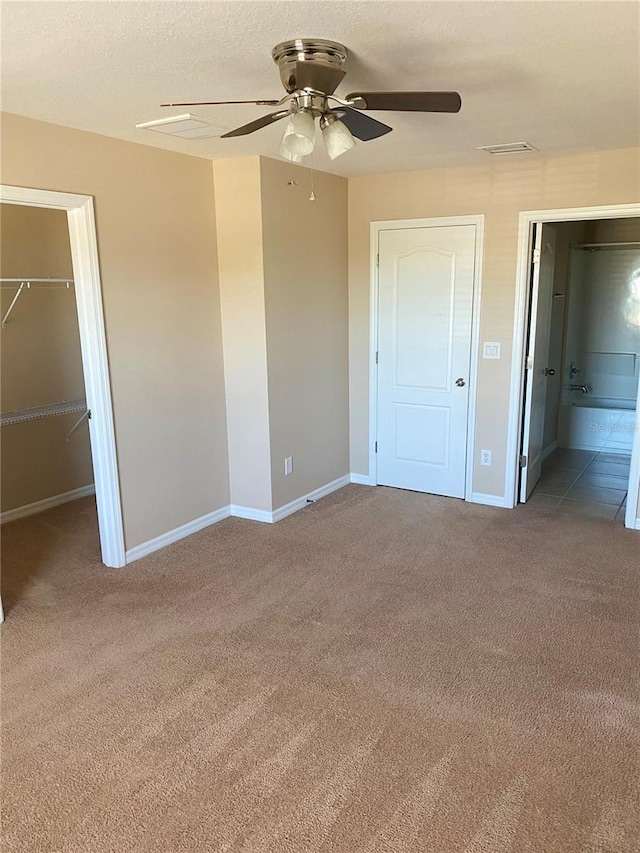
column 586, row 483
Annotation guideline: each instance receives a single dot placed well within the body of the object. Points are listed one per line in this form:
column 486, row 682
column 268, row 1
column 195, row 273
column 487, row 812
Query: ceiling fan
column 310, row 71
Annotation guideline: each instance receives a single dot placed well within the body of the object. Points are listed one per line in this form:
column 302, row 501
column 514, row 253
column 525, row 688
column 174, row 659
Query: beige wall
column 306, row 290
column 155, row 213
column 499, row 190
column 41, row 361
column 283, row 278
column 241, row 266
column 156, row 239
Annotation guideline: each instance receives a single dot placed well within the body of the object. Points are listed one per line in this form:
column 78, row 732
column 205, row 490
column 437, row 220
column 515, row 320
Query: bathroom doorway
column 582, row 368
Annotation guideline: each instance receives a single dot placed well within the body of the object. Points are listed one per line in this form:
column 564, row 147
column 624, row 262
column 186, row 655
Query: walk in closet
column 45, row 450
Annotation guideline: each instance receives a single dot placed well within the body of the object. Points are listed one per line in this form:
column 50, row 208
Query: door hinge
column 536, row 256
column 378, row 261
column 529, row 362
column 376, row 358
column 376, row 447
column 523, row 461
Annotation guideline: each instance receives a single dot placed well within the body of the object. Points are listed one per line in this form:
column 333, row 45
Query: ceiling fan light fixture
column 337, row 137
column 300, row 134
column 310, row 71
column 284, row 152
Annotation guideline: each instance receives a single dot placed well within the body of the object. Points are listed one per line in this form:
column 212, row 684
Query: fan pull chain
column 312, row 196
column 292, row 180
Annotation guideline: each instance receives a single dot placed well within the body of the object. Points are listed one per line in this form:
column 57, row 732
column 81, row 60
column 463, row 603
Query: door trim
column 95, row 365
column 403, row 224
column 526, row 220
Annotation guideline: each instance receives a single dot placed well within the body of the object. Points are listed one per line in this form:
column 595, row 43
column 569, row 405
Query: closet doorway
column 83, row 394
column 424, row 326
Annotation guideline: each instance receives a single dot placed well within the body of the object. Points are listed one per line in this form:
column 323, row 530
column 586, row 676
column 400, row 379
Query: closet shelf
column 34, row 282
column 35, row 413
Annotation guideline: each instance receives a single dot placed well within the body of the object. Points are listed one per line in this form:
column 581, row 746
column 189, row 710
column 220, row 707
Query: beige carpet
column 383, row 672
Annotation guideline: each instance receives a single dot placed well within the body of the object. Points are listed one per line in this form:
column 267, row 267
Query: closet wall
column 41, row 362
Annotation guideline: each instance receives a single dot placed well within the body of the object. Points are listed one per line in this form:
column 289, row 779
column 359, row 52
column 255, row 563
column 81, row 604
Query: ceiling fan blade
column 259, row 123
column 215, row 103
column 361, row 126
column 419, row 102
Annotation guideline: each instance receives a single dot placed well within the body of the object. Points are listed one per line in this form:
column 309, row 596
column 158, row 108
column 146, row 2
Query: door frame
column 532, row 335
column 526, row 220
column 403, row 224
column 95, row 364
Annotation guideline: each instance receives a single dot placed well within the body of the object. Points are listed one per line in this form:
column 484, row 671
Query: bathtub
column 598, row 424
column 605, row 403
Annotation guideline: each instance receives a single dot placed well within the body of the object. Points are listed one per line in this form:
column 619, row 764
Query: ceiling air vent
column 186, row 126
column 507, row 148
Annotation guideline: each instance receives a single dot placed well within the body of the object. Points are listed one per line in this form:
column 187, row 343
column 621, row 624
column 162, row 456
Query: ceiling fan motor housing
column 310, row 65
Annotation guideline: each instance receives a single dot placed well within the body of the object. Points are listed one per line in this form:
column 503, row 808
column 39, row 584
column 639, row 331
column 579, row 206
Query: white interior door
column 543, row 263
column 425, row 307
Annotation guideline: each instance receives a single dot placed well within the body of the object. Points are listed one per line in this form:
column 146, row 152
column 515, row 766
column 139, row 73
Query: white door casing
column 538, row 358
column 95, row 366
column 425, row 317
column 526, row 221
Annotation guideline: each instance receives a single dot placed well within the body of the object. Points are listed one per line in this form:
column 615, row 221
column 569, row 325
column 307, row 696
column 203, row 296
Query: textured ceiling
column 563, row 76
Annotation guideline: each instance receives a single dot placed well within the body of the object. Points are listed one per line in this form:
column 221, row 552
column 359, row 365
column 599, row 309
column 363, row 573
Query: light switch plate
column 491, row 349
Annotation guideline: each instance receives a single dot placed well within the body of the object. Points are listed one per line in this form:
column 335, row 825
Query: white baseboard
column 315, row 495
column 489, row 500
column 237, row 512
column 546, row 453
column 47, row 503
column 177, row 533
column 251, row 514
column 362, row 479
column 288, row 509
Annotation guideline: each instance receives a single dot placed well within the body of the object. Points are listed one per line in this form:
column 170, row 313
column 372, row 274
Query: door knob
column 460, row 382
column 549, row 371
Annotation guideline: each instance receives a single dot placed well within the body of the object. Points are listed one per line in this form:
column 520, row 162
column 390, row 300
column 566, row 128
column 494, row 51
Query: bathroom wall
column 603, row 328
column 41, row 361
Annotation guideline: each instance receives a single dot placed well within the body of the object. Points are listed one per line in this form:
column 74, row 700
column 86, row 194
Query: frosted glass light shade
column 300, row 134
column 284, row 152
column 337, row 139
